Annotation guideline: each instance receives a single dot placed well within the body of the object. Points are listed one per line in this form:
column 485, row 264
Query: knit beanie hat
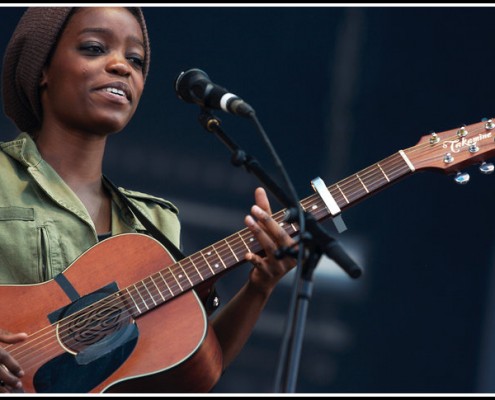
column 27, row 53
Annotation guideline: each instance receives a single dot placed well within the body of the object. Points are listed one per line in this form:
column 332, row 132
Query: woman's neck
column 78, row 159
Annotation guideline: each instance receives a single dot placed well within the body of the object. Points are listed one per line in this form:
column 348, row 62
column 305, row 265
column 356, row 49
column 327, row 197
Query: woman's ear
column 43, row 80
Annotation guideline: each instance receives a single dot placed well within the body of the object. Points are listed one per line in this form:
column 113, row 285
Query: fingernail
column 249, row 220
column 257, row 211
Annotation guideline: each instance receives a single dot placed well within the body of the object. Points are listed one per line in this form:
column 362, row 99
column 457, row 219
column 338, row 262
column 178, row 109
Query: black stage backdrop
column 337, row 89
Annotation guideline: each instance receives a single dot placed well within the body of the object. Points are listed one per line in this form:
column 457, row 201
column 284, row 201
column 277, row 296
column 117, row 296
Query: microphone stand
column 239, row 156
column 314, row 241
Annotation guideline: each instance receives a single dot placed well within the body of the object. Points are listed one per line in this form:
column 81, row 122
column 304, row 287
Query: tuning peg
column 461, row 178
column 486, row 168
column 489, row 123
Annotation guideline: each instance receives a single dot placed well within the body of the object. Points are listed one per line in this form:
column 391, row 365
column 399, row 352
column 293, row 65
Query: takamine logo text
column 457, row 145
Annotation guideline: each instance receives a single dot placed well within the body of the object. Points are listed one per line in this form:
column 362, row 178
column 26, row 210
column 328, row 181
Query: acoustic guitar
column 126, row 317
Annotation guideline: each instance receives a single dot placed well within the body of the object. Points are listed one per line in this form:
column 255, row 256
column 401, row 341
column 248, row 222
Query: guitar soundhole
column 93, row 324
column 99, row 334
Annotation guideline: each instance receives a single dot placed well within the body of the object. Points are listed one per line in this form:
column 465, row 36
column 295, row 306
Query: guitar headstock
column 455, row 149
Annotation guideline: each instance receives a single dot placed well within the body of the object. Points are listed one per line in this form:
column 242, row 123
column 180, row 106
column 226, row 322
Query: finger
column 262, row 237
column 273, row 228
column 10, row 372
column 10, row 338
column 255, row 259
column 261, row 199
column 4, row 388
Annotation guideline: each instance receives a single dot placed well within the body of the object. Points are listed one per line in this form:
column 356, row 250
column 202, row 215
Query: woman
column 71, row 78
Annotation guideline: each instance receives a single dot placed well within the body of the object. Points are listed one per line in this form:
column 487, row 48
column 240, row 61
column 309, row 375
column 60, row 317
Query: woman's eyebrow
column 133, row 38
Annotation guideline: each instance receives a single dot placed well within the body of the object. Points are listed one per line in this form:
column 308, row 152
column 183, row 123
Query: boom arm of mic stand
column 239, row 157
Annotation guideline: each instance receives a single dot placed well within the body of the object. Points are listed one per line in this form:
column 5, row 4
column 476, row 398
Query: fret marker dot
column 314, row 207
column 216, row 265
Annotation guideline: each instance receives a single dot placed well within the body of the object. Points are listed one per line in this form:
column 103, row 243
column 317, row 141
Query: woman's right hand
column 10, row 370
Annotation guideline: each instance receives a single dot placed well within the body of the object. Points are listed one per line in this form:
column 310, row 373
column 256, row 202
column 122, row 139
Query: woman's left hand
column 268, row 270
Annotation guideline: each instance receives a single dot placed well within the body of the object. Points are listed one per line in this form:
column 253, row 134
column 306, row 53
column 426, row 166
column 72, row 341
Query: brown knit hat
column 29, row 50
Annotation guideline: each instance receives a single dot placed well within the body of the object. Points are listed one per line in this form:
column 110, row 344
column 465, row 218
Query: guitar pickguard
column 98, row 334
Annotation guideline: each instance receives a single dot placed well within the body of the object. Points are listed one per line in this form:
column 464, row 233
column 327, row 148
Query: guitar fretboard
column 230, row 252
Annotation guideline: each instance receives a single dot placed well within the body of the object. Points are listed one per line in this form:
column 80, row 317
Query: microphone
column 195, row 86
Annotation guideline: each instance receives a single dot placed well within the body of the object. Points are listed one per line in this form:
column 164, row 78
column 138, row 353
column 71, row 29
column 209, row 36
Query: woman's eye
column 137, row 61
column 92, row 48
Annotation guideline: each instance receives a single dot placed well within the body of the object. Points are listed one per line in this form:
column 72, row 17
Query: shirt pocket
column 24, row 247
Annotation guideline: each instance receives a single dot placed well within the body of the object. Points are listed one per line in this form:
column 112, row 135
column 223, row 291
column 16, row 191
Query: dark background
column 337, row 89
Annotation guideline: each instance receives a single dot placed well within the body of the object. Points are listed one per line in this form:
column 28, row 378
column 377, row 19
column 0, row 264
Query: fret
column 244, row 242
column 170, row 272
column 195, row 265
column 353, row 188
column 315, row 206
column 383, row 172
column 144, row 293
column 216, row 265
column 140, row 295
column 180, row 276
column 232, row 251
column 374, row 178
column 150, row 286
column 207, row 262
column 157, row 288
column 362, row 183
column 213, row 260
column 253, row 244
column 122, row 298
column 133, row 301
column 171, row 281
column 184, row 273
column 312, row 204
column 289, row 228
column 166, row 284
column 190, row 272
column 343, row 195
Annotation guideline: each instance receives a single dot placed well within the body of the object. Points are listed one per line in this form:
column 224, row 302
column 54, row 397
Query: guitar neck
column 230, row 252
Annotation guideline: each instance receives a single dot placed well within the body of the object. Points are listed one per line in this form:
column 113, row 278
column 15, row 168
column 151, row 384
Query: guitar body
column 170, row 348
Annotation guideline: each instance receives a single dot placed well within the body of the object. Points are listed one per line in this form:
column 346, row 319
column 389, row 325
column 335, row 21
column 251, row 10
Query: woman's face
column 95, row 77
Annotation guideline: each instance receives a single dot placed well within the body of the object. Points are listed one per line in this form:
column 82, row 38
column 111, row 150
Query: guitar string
column 352, row 185
column 92, row 308
column 150, row 293
column 363, row 173
column 349, row 184
column 243, row 243
column 185, row 271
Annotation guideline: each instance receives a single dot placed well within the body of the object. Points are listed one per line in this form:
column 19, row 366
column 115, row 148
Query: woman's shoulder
column 149, row 199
